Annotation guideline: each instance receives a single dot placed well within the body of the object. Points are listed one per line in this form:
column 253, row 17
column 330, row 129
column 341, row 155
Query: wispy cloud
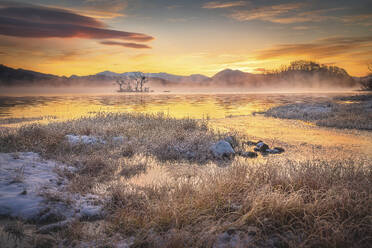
column 284, row 14
column 125, row 44
column 301, row 28
column 42, row 22
column 320, row 49
column 222, row 5
column 363, row 19
column 273, row 13
column 107, row 5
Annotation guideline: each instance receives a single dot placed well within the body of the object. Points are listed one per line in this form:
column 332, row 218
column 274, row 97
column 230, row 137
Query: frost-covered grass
column 354, row 112
column 144, row 138
column 311, row 204
column 163, row 188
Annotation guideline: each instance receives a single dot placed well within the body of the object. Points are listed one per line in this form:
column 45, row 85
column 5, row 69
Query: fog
column 298, row 76
column 29, row 91
column 229, row 82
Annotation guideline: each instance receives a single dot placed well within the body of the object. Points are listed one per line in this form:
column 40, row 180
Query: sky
column 82, row 37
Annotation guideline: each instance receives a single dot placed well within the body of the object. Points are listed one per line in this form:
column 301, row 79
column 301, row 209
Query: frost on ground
column 83, row 139
column 32, row 190
column 353, row 112
column 301, row 111
column 91, row 140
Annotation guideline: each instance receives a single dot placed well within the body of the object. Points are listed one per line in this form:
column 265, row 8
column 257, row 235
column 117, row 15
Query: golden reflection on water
column 178, row 106
column 227, row 112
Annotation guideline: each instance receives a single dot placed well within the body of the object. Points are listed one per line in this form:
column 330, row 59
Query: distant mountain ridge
column 14, row 77
column 9, row 75
column 298, row 74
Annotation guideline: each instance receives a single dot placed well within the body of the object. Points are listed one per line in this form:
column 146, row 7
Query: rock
column 250, row 143
column 232, row 141
column 272, row 151
column 222, row 149
column 279, row 149
column 276, row 150
column 249, row 154
column 261, row 147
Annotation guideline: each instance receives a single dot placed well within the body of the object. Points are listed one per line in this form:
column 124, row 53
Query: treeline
column 311, row 74
column 367, row 81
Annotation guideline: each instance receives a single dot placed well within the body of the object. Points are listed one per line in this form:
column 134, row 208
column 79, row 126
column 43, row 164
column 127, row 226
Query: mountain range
column 226, row 78
column 17, row 77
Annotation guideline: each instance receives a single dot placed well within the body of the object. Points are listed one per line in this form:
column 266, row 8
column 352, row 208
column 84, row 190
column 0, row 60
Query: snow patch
column 20, row 181
column 91, row 140
column 25, row 182
column 84, row 139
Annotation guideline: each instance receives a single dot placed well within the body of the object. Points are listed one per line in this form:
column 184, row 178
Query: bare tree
column 124, row 81
column 140, row 80
column 143, row 81
column 120, row 82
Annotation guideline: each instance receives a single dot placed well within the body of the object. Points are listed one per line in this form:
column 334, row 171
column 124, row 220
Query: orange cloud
column 103, row 8
column 283, row 13
column 363, row 19
column 265, row 13
column 322, row 48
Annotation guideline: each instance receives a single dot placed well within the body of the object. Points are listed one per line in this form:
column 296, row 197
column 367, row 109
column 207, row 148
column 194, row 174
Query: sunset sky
column 183, row 37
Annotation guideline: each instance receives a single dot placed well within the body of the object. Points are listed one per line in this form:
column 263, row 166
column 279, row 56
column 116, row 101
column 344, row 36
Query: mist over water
column 180, row 104
column 230, row 112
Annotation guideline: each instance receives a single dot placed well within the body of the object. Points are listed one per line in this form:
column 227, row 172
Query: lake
column 198, row 106
column 225, row 112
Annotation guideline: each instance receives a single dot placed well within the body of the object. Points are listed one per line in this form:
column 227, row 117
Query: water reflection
column 182, row 105
column 15, row 111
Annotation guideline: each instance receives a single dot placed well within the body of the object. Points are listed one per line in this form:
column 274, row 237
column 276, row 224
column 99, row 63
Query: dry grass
column 165, row 139
column 148, row 134
column 260, row 204
column 353, row 115
column 311, row 204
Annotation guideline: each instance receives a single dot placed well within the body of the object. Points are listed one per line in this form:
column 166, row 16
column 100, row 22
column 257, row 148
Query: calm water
column 227, row 112
column 176, row 105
